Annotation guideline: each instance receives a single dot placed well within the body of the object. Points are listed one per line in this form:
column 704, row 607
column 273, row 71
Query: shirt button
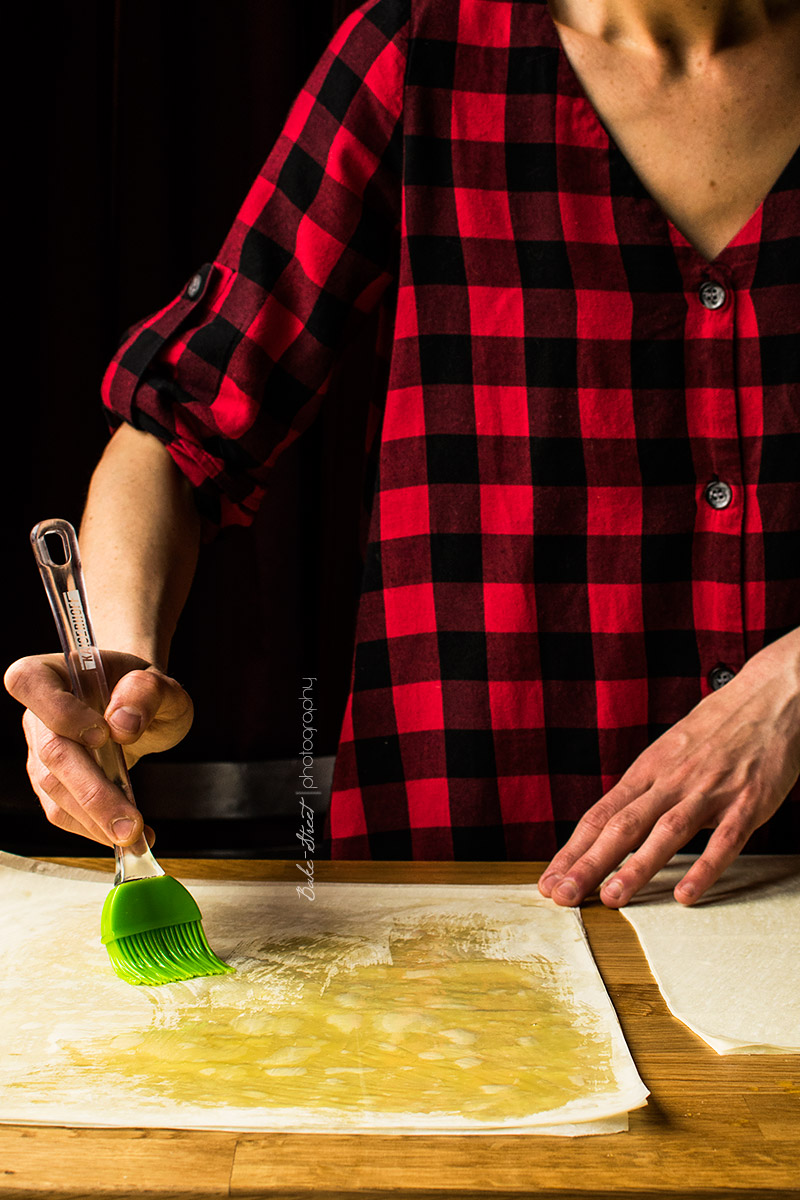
column 719, row 676
column 718, row 493
column 712, row 295
column 195, row 284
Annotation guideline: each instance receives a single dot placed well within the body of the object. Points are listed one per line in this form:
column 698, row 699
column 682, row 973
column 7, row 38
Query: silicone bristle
column 165, row 955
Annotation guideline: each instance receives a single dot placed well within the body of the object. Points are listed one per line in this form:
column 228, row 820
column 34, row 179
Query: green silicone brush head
column 153, row 933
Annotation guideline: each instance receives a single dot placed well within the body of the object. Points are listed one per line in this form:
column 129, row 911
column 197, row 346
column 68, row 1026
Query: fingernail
column 121, row 829
column 127, row 720
column 567, row 890
column 549, row 881
column 686, row 889
column 613, row 890
column 94, row 736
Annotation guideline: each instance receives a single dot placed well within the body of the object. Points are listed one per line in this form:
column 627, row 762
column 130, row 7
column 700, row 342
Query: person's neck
column 687, row 33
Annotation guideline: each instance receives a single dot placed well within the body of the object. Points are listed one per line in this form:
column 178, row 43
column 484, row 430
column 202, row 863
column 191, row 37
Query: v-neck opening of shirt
column 670, row 227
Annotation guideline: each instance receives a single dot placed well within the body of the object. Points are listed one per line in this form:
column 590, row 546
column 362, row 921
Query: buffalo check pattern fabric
column 586, row 507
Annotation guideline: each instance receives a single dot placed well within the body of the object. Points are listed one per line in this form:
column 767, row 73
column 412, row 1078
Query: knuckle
column 676, row 824
column 53, row 750
column 681, row 740
column 597, row 818
column 29, row 726
column 42, row 780
column 589, row 867
column 594, row 822
column 634, row 871
column 19, row 672
column 625, row 824
column 180, row 701
column 730, row 836
column 54, row 814
column 145, row 680
column 15, row 674
column 94, row 795
column 146, row 687
column 152, row 694
column 748, row 801
column 33, row 766
column 46, row 781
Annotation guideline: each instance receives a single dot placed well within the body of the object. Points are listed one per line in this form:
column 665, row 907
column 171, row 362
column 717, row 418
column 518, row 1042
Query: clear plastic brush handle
column 63, row 581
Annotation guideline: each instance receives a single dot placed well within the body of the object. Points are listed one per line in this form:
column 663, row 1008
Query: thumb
column 135, row 703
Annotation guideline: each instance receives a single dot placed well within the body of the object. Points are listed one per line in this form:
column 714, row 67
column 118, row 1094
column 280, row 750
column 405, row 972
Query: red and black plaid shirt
column 587, row 498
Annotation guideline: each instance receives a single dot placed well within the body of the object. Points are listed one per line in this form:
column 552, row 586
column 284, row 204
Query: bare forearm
column 780, row 660
column 139, row 538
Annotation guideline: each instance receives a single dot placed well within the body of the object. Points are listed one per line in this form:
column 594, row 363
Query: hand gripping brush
column 150, row 924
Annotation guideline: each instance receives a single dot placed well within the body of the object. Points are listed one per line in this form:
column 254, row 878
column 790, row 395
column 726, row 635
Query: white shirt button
column 712, row 295
column 719, row 676
column 195, row 284
column 718, row 493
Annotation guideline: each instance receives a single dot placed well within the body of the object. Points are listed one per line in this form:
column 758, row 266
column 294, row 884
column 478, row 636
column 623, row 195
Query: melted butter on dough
column 323, row 1023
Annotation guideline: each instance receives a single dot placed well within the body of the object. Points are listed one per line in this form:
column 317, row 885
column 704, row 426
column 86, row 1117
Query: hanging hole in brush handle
column 55, row 547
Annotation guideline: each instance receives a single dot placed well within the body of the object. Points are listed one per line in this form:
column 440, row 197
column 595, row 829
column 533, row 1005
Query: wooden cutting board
column 712, row 1126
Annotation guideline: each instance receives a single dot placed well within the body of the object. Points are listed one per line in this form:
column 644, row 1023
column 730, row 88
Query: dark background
column 134, row 139
column 133, row 131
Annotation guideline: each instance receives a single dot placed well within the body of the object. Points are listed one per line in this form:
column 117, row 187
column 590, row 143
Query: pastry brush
column 150, row 925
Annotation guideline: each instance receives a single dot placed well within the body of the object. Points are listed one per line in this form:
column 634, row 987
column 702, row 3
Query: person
column 579, row 609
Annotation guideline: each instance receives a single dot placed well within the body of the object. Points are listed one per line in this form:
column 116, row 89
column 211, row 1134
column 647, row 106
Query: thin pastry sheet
column 405, row 1009
column 729, row 965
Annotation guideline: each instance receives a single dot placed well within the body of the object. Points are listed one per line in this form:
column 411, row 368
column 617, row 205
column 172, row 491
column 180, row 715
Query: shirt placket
column 714, row 432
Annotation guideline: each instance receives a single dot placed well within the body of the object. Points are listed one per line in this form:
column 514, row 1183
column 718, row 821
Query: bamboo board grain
column 713, row 1127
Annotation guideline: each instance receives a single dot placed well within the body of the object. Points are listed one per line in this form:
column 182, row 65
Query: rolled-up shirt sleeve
column 230, row 372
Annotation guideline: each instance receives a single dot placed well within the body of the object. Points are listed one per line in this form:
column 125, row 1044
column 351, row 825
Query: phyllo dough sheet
column 409, row 1009
column 729, row 965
